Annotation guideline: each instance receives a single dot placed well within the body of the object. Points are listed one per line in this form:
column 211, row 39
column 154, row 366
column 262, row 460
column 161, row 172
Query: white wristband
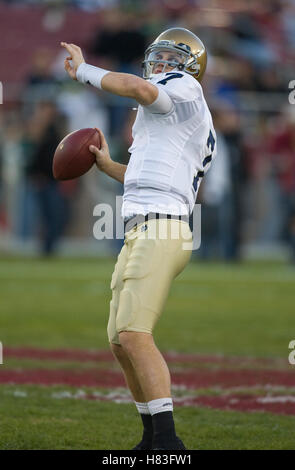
column 90, row 74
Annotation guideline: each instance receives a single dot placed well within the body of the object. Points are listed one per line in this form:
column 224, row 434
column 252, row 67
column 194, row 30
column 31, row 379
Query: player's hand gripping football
column 102, row 155
column 75, row 56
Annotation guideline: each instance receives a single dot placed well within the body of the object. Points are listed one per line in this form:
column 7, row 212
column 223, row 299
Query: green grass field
column 69, row 424
column 235, row 310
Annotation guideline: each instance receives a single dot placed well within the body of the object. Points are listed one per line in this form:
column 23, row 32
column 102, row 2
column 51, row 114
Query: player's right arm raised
column 122, row 84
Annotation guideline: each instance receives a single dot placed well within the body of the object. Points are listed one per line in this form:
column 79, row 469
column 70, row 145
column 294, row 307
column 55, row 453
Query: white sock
column 142, row 408
column 160, row 405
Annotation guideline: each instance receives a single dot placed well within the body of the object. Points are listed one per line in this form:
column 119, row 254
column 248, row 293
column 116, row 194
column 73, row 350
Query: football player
column 174, row 143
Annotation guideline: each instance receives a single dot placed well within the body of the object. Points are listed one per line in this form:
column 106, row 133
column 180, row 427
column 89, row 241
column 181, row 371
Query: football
column 72, row 157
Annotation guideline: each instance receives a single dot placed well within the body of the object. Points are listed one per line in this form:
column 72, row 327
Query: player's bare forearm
column 126, row 84
column 104, row 162
column 122, row 84
column 115, row 170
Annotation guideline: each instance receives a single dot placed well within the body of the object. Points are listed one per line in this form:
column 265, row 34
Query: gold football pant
column 154, row 253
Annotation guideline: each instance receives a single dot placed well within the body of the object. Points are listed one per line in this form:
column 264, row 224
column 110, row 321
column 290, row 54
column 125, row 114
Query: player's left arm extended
column 122, row 84
column 116, row 171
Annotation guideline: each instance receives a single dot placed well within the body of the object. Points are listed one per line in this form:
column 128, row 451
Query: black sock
column 147, row 422
column 163, row 426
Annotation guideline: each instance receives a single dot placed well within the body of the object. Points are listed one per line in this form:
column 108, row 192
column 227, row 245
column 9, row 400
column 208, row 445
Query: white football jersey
column 170, row 152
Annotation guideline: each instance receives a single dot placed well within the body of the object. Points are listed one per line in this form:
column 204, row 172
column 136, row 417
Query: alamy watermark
column 291, row 356
column 1, row 353
column 1, row 93
column 292, row 353
column 292, row 93
column 110, row 225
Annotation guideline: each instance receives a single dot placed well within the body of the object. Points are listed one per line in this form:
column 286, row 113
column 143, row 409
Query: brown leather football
column 72, row 157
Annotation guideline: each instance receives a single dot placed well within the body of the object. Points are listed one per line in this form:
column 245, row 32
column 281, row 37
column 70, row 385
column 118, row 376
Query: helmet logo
column 185, row 46
column 166, row 43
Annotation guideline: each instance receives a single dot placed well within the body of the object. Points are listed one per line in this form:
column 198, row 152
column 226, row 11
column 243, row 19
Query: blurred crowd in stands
column 247, row 197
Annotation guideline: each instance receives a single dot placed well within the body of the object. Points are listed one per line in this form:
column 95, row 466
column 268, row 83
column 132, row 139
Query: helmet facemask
column 180, row 58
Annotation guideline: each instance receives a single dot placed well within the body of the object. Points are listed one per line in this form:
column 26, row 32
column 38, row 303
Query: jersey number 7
column 200, row 174
column 171, row 76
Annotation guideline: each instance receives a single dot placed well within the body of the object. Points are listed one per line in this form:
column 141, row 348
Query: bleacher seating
column 25, row 29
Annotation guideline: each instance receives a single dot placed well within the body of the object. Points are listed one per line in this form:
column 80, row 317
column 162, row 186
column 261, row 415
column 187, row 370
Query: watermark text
column 292, row 93
column 110, row 225
column 292, row 353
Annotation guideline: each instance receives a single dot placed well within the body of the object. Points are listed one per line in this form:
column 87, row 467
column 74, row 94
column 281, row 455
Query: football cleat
column 143, row 445
column 175, row 444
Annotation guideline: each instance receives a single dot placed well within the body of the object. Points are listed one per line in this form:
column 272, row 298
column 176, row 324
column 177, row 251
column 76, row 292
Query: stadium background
column 232, row 383
column 248, row 200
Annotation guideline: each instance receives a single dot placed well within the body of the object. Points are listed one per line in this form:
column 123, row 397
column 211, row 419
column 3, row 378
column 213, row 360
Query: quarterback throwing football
column 174, row 143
